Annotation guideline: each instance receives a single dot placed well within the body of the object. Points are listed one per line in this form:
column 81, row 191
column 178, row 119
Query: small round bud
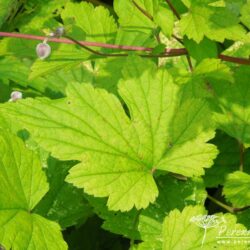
column 59, row 31
column 43, row 50
column 15, row 95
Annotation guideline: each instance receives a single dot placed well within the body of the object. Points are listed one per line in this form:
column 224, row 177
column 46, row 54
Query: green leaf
column 107, row 72
column 178, row 194
column 7, row 7
column 117, row 151
column 189, row 131
column 123, row 223
column 135, row 28
column 150, row 231
column 215, row 22
column 63, row 203
column 208, row 73
column 53, row 84
column 96, row 23
column 203, row 50
column 164, row 18
column 58, row 60
column 23, row 184
column 227, row 161
column 190, row 229
column 160, row 48
column 236, row 189
column 90, row 236
column 12, row 69
column 245, row 14
column 34, row 15
column 187, row 229
column 232, row 105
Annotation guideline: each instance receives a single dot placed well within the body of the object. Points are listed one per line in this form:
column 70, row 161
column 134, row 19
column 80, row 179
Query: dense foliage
column 125, row 125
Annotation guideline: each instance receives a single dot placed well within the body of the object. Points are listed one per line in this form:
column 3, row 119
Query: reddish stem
column 174, row 52
column 168, row 51
column 237, row 60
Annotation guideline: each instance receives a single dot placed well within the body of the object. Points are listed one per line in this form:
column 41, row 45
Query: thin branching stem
column 171, row 6
column 169, row 52
column 145, row 13
column 227, row 207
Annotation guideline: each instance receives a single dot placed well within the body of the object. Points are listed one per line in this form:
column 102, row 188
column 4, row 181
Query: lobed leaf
column 119, row 153
column 23, row 184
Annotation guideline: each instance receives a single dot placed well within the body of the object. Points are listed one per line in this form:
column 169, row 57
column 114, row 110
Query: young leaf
column 23, row 184
column 119, row 153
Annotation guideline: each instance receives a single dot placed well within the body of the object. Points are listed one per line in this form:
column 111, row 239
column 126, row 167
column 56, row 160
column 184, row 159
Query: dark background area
column 107, row 1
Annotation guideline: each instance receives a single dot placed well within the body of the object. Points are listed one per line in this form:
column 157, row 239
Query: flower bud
column 43, row 50
column 15, row 95
column 59, row 31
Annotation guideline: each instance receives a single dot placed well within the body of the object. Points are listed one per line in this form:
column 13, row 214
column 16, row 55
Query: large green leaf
column 23, row 184
column 191, row 229
column 215, row 22
column 173, row 193
column 119, row 153
column 236, row 189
